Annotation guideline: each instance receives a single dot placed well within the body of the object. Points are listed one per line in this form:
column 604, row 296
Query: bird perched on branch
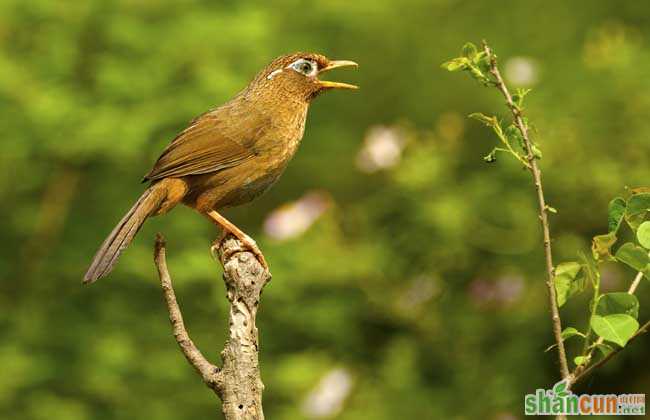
column 229, row 155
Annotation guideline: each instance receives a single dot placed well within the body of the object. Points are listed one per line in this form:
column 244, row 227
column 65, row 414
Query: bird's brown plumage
column 229, row 155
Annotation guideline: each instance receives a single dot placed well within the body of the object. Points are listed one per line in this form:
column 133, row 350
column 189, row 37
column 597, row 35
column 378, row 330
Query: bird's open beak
column 335, row 65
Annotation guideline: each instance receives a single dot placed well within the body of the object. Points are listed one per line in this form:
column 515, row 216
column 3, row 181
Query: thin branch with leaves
column 612, row 317
column 482, row 65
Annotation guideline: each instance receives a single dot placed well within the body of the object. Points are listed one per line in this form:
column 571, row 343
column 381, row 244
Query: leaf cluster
column 479, row 65
column 613, row 317
column 475, row 62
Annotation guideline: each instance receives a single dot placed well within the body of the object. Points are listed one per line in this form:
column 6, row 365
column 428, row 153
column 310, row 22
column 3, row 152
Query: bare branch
column 209, row 373
column 245, row 278
column 238, row 383
column 543, row 208
column 635, row 283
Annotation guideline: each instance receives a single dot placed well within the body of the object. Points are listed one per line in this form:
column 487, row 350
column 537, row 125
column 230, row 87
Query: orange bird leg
column 228, row 227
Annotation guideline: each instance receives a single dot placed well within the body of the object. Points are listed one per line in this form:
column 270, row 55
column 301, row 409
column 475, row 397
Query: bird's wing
column 214, row 141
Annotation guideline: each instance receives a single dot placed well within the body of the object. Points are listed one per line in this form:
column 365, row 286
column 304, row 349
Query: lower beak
column 335, row 65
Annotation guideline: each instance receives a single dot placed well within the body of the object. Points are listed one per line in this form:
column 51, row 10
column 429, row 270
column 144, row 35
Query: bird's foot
column 248, row 243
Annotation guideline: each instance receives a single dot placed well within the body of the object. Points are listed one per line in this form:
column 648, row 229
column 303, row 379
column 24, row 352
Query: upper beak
column 334, row 65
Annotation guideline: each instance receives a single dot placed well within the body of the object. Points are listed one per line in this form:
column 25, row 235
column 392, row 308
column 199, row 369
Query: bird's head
column 297, row 75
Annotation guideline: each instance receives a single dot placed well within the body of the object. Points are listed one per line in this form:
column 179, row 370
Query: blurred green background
column 408, row 274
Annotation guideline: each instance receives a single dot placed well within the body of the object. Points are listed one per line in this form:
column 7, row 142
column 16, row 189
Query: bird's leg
column 227, row 228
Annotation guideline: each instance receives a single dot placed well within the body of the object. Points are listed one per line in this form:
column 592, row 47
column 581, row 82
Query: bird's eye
column 305, row 67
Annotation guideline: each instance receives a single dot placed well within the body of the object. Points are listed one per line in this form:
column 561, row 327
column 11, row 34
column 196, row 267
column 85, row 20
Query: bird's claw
column 248, row 243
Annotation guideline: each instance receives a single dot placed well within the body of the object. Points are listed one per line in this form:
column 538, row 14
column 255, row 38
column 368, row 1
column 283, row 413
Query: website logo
column 561, row 401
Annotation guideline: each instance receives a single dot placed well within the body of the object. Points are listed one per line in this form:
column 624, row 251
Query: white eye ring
column 303, row 66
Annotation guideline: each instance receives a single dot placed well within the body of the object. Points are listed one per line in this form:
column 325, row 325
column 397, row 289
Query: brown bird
column 229, row 155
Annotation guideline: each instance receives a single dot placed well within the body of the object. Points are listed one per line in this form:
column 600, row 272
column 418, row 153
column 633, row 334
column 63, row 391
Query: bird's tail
column 124, row 232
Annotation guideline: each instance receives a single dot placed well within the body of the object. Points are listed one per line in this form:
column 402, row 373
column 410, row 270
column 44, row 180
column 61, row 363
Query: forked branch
column 237, row 383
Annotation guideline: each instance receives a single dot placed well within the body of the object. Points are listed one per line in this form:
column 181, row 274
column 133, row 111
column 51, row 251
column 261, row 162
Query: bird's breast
column 278, row 147
column 272, row 147
column 284, row 133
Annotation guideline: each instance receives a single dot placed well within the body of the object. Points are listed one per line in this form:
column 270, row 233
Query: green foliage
column 580, row 360
column 638, row 203
column 617, row 303
column 568, row 281
column 509, row 137
column 612, row 316
column 616, row 212
column 601, row 246
column 643, row 234
column 637, row 207
column 566, row 334
column 634, row 256
column 475, row 62
column 478, row 64
column 617, row 328
column 570, row 332
column 519, row 95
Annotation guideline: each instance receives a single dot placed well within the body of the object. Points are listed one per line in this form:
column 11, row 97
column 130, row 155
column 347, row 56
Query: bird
column 229, row 155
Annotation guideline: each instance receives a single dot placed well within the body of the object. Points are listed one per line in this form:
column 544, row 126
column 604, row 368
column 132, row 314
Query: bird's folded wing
column 212, row 142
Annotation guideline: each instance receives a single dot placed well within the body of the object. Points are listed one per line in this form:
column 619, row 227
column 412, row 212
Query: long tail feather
column 123, row 234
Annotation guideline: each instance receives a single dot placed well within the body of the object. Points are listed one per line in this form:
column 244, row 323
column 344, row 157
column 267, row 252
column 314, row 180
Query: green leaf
column 570, row 332
column 634, row 256
column 489, row 121
column 567, row 333
column 482, row 62
column 590, row 268
column 637, row 207
column 601, row 246
column 567, row 282
column 643, row 234
column 514, row 136
column 617, row 328
column 469, row 50
column 477, row 74
column 618, row 303
column 579, row 360
column 638, row 203
column 615, row 213
column 635, row 221
column 519, row 95
column 460, row 63
column 480, row 59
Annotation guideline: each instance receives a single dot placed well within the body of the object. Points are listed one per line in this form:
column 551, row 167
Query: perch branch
column 238, row 383
column 210, row 373
column 543, row 208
